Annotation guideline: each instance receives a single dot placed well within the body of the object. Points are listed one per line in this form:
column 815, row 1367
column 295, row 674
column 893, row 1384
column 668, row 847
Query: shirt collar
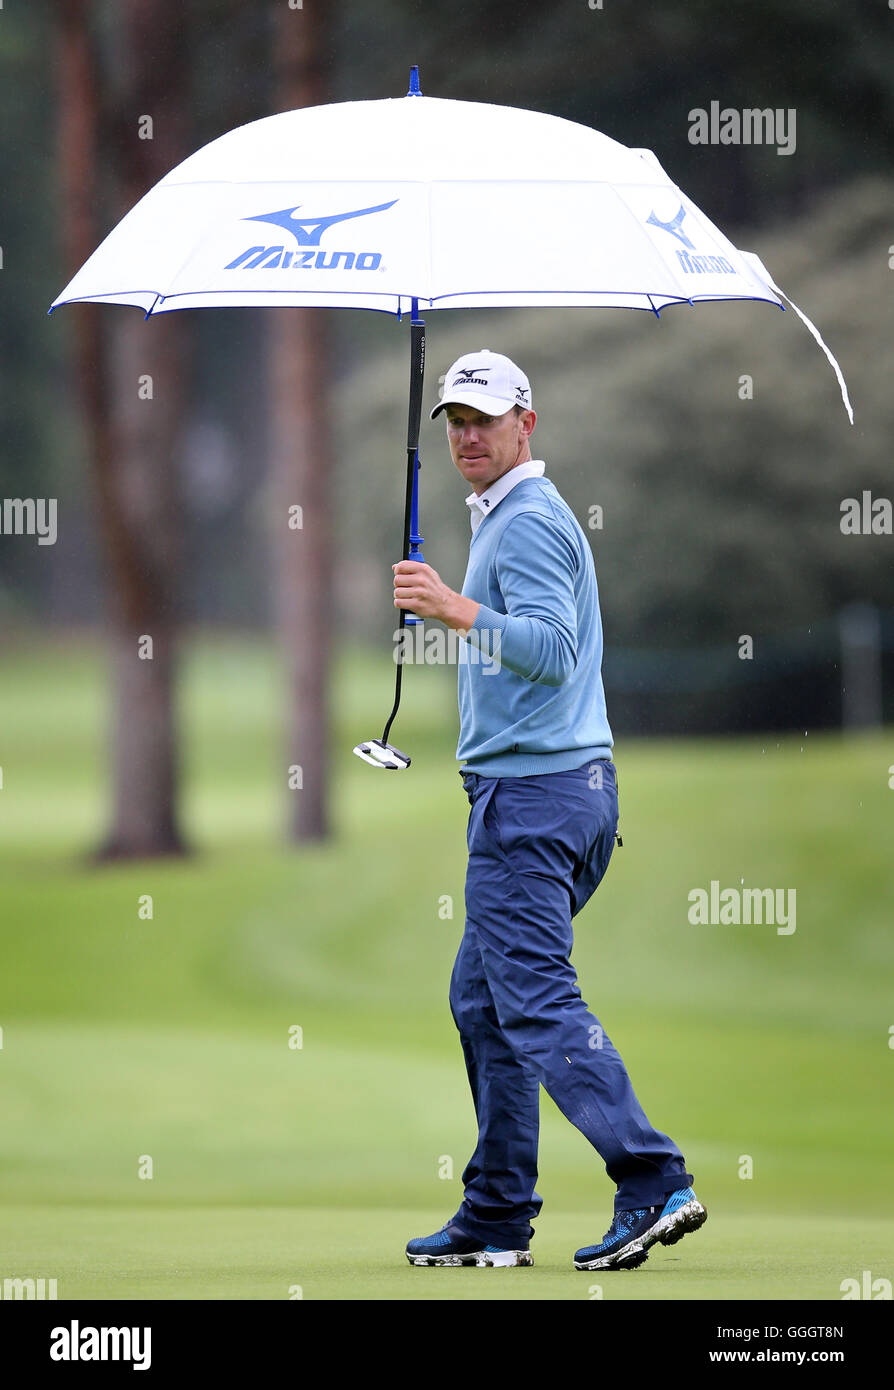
column 481, row 505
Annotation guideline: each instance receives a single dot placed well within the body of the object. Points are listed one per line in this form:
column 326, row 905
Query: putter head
column 382, row 755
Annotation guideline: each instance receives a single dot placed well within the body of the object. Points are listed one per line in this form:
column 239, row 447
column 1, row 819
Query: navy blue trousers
column 538, row 848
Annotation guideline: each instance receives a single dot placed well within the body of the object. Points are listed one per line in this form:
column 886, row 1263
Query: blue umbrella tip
column 415, row 89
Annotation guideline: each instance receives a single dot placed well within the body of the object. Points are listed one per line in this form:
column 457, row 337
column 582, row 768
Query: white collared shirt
column 481, row 505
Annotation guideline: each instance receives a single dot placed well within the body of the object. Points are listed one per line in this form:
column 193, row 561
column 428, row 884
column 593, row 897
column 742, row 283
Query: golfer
column 538, row 772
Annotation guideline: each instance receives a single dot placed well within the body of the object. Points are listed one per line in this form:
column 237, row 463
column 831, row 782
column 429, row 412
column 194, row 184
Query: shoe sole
column 668, row 1230
column 484, row 1259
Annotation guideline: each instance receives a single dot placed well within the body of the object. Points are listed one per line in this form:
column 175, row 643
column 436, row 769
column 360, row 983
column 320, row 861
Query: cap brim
column 488, row 405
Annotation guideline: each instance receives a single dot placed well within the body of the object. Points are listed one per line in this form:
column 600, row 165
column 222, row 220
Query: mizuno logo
column 467, row 377
column 674, row 226
column 705, row 265
column 522, row 394
column 308, row 230
column 692, row 265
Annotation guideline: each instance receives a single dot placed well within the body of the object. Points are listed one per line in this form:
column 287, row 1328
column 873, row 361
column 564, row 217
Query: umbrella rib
column 399, row 296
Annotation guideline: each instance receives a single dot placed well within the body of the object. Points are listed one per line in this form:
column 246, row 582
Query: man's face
column 484, row 447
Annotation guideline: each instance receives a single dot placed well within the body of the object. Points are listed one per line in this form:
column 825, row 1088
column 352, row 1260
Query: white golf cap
column 486, row 381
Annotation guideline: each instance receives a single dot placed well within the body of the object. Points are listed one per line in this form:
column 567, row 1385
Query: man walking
column 536, row 747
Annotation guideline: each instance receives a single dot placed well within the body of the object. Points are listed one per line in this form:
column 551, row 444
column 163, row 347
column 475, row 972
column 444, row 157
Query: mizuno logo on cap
column 467, row 377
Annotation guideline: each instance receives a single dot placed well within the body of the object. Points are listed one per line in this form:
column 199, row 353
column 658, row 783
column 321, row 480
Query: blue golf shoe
column 626, row 1242
column 449, row 1247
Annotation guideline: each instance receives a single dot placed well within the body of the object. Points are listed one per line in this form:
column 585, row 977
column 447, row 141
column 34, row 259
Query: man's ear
column 529, row 419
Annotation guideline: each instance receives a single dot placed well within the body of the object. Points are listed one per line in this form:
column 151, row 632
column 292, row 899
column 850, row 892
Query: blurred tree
column 131, row 377
column 302, row 458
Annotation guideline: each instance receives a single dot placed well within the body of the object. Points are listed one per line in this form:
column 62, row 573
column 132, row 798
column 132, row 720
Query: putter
column 378, row 752
column 382, row 755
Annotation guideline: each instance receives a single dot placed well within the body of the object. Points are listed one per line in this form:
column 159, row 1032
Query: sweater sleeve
column 536, row 637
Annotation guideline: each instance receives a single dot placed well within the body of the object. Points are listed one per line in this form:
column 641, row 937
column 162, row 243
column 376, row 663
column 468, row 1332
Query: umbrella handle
column 414, row 550
column 412, row 542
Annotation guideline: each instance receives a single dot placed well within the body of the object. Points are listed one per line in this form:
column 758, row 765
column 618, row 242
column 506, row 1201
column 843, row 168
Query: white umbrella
column 416, row 201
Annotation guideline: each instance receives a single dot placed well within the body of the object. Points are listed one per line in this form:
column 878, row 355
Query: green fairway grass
column 274, row 1165
column 234, row 1252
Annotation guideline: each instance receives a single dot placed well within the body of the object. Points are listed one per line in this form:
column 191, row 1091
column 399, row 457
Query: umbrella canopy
column 448, row 204
column 372, row 204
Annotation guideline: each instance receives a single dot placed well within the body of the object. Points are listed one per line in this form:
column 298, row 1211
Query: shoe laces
column 624, row 1221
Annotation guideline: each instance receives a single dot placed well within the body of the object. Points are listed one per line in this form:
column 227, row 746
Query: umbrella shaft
column 412, row 540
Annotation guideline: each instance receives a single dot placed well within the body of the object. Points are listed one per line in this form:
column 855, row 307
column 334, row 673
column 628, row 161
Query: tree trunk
column 144, row 496
column 130, row 376
column 302, row 466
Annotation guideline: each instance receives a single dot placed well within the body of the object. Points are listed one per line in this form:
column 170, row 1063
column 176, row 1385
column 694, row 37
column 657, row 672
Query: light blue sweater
column 539, row 705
